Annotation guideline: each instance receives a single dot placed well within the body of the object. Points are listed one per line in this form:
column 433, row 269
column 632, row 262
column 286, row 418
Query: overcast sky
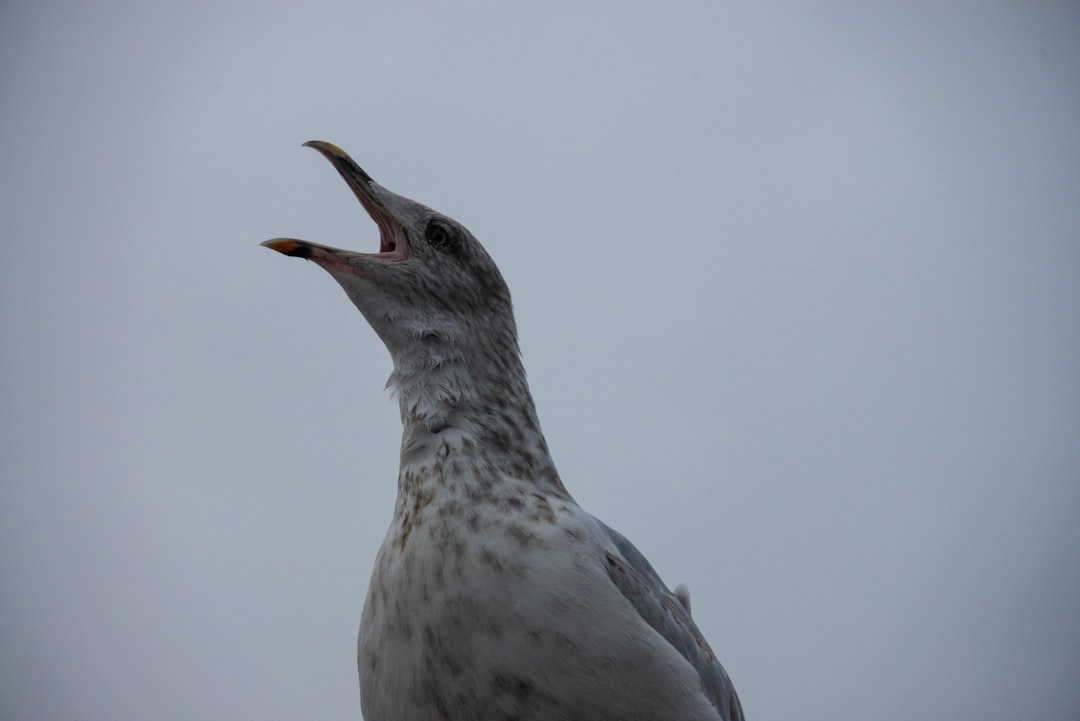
column 798, row 289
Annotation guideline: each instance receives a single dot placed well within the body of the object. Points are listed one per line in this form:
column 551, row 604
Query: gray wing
column 634, row 576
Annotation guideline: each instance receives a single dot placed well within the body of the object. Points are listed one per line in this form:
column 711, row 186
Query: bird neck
column 466, row 411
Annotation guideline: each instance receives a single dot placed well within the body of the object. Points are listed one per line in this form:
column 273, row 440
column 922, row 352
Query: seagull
column 494, row 596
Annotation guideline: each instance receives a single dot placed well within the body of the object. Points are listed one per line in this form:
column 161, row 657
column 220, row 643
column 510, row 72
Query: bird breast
column 497, row 606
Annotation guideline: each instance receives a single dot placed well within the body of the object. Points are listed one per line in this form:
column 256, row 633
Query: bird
column 494, row 595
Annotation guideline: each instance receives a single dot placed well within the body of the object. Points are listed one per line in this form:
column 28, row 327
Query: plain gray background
column 798, row 288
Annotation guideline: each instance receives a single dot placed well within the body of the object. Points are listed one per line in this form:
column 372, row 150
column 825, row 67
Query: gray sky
column 799, row 295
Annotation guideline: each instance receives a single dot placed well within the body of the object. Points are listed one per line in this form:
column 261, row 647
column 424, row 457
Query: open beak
column 393, row 243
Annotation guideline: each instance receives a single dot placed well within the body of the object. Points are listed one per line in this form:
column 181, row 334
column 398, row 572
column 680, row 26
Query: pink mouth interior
column 393, row 245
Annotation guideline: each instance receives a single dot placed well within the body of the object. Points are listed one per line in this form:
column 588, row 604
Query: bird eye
column 440, row 237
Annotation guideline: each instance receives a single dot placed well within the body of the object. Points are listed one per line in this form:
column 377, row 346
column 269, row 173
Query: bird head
column 431, row 284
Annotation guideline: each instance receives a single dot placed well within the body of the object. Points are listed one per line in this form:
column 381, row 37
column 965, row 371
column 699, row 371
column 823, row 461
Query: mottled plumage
column 494, row 595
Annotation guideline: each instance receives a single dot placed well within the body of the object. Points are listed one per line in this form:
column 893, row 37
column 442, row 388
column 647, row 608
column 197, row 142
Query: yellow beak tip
column 287, row 246
column 326, row 148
